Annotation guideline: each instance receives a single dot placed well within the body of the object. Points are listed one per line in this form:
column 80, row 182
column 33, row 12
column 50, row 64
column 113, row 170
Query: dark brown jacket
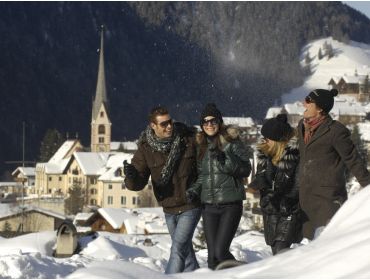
column 322, row 180
column 150, row 163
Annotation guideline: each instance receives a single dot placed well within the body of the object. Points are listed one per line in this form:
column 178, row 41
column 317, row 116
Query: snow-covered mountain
column 347, row 59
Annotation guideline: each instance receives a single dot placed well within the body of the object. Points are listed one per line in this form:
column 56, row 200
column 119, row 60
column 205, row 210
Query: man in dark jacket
column 326, row 149
column 166, row 152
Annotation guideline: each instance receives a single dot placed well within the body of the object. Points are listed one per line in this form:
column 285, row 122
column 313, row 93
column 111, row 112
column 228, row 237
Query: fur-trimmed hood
column 289, row 158
column 232, row 132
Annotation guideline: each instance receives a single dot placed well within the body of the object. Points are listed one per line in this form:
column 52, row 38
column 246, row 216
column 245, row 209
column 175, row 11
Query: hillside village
column 108, row 205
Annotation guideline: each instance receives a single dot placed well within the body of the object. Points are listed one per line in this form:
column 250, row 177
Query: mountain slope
column 241, row 55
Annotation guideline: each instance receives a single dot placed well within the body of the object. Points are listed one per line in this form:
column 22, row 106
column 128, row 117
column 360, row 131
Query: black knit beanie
column 277, row 129
column 211, row 110
column 324, row 98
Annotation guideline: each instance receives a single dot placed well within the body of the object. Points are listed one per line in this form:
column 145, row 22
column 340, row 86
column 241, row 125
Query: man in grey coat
column 326, row 150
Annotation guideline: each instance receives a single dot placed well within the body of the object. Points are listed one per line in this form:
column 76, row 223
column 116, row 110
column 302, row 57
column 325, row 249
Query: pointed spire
column 101, row 91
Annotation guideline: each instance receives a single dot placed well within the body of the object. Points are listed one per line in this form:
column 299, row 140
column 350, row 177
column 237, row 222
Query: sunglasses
column 164, row 124
column 213, row 121
column 308, row 99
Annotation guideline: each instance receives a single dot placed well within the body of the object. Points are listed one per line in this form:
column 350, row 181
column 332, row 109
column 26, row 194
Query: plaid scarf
column 310, row 126
column 169, row 145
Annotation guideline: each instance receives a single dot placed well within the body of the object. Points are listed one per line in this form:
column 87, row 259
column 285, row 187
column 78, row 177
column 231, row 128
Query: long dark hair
column 203, row 144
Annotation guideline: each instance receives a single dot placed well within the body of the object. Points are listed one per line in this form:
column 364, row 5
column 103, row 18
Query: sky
column 362, row 6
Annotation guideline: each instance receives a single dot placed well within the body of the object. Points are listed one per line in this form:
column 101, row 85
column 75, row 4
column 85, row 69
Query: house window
column 138, row 201
column 50, row 178
column 134, row 200
column 110, row 186
column 101, row 129
column 101, row 139
column 101, row 114
column 123, row 186
column 60, row 178
column 93, row 191
column 110, row 200
column 92, row 181
column 123, row 200
column 93, row 201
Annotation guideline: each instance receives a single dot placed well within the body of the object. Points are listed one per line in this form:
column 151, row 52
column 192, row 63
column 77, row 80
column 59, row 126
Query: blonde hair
column 275, row 151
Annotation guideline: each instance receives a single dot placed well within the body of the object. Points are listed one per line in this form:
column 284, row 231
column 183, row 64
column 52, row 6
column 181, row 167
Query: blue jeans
column 181, row 228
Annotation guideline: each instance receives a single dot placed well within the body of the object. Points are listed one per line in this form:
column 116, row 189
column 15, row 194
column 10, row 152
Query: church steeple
column 100, row 121
column 101, row 90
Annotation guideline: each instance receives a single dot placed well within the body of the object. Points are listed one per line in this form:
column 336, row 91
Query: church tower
column 100, row 121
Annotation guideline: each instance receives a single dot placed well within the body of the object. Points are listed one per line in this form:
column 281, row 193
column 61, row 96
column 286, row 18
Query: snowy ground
column 341, row 251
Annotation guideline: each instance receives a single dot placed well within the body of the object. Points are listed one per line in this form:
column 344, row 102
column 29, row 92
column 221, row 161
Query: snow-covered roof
column 114, row 216
column 136, row 220
column 241, row 122
column 83, row 216
column 25, row 171
column 10, row 184
column 91, row 163
column 272, row 112
column 62, row 151
column 9, row 210
column 343, row 107
column 336, row 79
column 295, row 108
column 127, row 145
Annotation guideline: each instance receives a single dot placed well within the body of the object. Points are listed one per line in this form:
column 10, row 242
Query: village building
column 49, row 177
column 98, row 172
column 123, row 220
column 26, row 176
column 100, row 176
column 9, row 191
column 248, row 129
column 32, row 219
column 356, row 86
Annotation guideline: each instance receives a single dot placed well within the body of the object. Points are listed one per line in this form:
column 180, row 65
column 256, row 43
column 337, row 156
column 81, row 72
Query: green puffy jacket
column 221, row 182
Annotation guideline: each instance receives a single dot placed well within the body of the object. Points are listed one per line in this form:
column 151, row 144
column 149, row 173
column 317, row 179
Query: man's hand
column 129, row 170
column 191, row 196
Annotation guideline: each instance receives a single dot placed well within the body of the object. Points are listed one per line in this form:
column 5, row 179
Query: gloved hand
column 267, row 204
column 219, row 156
column 129, row 170
column 191, row 196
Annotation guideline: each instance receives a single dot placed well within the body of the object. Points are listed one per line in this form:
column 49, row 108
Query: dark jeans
column 220, row 225
column 181, row 228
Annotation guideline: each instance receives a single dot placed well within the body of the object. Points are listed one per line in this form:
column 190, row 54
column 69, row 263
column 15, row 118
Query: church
column 99, row 171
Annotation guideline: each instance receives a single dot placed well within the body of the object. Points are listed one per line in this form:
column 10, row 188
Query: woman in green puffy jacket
column 222, row 161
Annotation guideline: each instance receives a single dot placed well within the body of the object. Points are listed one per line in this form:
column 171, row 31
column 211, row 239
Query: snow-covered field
column 341, row 251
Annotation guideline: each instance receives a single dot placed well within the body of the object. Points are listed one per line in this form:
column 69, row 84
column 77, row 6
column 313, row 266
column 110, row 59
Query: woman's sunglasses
column 308, row 99
column 213, row 121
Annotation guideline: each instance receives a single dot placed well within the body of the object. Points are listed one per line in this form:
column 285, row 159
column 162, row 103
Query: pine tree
column 330, row 51
column 73, row 204
column 319, row 55
column 51, row 142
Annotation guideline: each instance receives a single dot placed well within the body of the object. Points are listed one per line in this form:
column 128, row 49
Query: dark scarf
column 310, row 126
column 169, row 145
